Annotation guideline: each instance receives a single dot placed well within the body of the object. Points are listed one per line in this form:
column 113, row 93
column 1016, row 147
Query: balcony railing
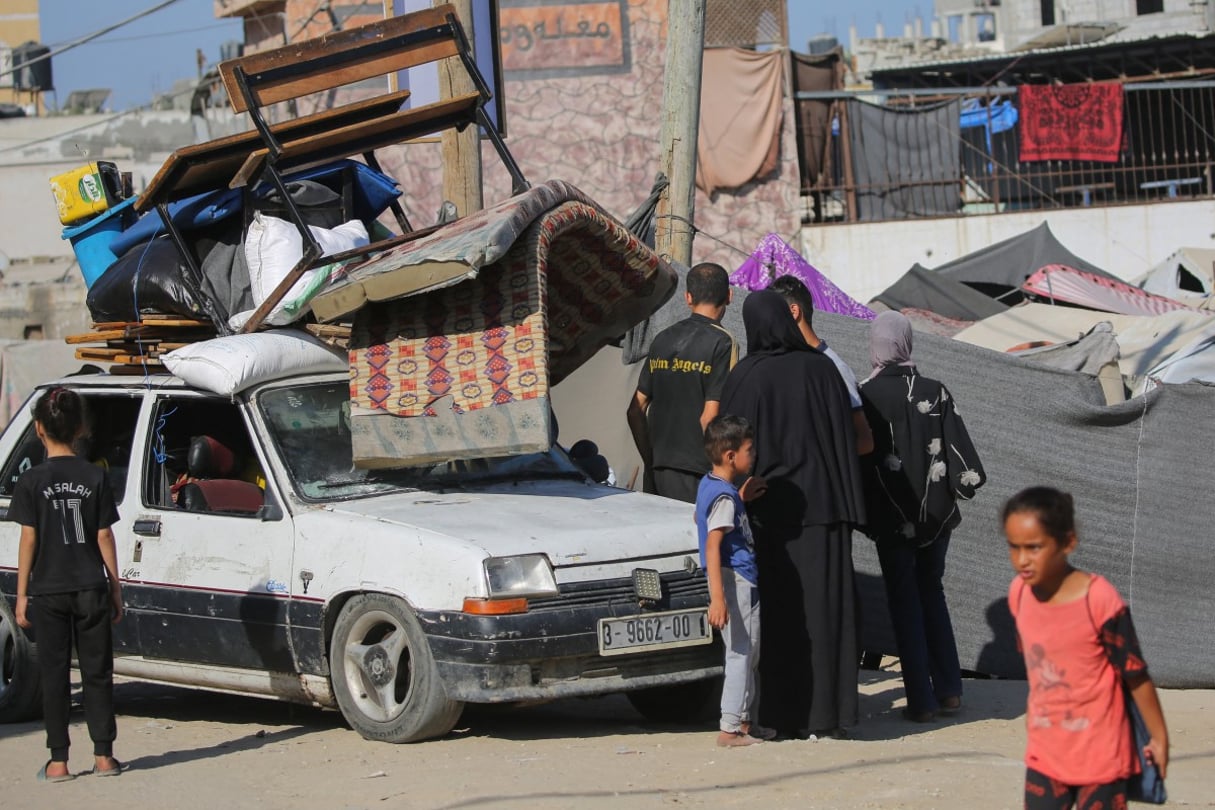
column 1168, row 154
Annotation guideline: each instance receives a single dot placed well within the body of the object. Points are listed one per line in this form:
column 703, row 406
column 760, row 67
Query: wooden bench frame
column 326, row 63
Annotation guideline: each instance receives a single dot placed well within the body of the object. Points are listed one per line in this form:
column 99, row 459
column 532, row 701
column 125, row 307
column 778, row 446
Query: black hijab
column 770, row 325
column 805, row 443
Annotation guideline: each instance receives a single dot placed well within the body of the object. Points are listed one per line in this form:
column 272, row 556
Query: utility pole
column 461, row 151
column 680, row 123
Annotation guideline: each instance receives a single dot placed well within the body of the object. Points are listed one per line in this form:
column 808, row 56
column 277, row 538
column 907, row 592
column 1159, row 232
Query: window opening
column 196, row 440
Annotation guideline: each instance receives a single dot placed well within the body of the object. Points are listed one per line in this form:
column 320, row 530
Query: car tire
column 691, row 703
column 20, row 677
column 383, row 674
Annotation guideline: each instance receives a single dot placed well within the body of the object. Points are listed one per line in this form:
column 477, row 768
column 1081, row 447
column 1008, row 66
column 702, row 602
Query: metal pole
column 461, row 150
column 673, row 231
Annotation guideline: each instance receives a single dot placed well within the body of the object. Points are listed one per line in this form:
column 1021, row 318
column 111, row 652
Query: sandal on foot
column 115, row 771
column 735, row 739
column 63, row 777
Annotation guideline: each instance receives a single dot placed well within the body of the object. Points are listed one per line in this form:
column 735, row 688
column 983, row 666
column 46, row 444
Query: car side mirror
column 270, row 511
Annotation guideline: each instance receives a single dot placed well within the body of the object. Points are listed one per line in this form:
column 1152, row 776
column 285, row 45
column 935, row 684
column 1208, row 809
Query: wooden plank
column 97, row 337
column 328, row 330
column 386, row 131
column 209, row 166
column 365, row 136
column 172, row 321
column 347, row 44
column 92, row 353
column 133, row 345
column 135, row 359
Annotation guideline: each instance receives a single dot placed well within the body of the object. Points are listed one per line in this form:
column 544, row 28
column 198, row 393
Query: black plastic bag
column 149, row 278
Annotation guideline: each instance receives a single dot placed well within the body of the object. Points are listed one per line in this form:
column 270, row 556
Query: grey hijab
column 889, row 341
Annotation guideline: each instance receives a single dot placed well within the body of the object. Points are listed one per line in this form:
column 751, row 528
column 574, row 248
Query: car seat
column 210, row 465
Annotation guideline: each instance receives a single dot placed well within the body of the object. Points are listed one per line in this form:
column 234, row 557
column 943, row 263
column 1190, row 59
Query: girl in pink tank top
column 1080, row 647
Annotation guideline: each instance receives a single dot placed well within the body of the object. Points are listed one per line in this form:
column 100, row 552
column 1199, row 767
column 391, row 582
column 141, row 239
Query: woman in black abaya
column 805, row 448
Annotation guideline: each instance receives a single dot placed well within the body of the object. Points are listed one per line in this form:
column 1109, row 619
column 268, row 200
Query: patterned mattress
column 533, row 289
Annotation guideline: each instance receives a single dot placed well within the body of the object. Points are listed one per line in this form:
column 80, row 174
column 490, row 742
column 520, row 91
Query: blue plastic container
column 91, row 241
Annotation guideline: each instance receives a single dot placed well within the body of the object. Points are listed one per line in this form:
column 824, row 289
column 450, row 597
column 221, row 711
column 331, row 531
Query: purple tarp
column 773, row 257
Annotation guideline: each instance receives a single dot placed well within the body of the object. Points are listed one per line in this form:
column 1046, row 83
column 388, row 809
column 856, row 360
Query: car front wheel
column 20, row 680
column 384, row 676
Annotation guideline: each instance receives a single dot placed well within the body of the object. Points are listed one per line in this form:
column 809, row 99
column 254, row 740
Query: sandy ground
column 190, row 749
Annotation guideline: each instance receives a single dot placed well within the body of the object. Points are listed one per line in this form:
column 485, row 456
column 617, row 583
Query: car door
column 211, row 578
column 112, row 419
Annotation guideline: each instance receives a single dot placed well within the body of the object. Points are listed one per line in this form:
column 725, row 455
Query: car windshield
column 310, row 425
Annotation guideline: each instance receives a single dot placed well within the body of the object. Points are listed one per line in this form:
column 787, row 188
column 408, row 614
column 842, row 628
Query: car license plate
column 654, row 631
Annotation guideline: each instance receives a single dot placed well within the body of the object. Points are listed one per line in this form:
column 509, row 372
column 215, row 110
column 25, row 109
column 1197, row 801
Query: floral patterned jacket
column 923, row 459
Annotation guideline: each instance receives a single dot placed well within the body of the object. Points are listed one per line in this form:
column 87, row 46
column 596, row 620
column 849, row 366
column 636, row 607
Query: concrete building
column 18, row 24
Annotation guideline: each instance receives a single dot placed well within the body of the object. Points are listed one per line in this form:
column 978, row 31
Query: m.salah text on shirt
column 675, row 364
column 66, row 488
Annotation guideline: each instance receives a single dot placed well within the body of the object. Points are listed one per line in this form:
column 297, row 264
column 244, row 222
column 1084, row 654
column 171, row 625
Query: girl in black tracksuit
column 67, row 581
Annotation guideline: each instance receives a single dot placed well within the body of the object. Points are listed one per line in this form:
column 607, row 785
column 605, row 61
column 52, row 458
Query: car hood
column 576, row 524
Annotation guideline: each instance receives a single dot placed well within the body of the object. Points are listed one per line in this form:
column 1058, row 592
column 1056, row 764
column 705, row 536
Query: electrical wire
column 76, row 43
column 159, row 34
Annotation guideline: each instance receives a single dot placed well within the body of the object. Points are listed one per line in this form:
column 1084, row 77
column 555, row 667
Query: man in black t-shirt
column 679, row 391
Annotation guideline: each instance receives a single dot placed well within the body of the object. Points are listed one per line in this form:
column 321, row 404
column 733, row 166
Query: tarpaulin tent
column 924, row 289
column 1142, row 491
column 1056, row 282
column 773, row 257
column 1003, row 267
column 1143, row 342
column 1187, row 275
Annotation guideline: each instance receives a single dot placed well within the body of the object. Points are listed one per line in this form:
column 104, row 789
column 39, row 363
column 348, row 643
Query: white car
column 257, row 559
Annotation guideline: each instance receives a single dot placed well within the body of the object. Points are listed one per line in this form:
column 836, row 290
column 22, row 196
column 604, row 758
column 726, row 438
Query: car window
column 111, row 421
column 310, row 426
column 28, row 453
column 200, row 441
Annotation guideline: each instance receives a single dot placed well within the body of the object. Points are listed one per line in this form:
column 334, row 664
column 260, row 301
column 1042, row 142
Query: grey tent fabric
column 1090, row 354
column 1139, row 471
column 1006, row 265
column 641, row 222
column 906, row 162
column 921, row 288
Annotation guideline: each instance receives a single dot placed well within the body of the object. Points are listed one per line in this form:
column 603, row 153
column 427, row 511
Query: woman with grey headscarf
column 923, row 462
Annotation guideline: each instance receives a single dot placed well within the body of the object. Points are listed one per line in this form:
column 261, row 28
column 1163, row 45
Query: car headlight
column 521, row 576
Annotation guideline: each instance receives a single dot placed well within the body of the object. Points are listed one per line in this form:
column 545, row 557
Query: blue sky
column 147, row 56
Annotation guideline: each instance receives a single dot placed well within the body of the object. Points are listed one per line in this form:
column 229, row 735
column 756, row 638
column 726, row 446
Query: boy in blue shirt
column 727, row 554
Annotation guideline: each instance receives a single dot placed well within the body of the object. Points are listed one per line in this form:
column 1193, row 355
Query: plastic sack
column 148, row 278
column 273, row 246
column 229, row 365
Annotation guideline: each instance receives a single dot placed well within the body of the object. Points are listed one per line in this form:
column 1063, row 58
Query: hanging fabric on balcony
column 1071, row 121
column 815, row 73
column 740, row 117
column 906, row 161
